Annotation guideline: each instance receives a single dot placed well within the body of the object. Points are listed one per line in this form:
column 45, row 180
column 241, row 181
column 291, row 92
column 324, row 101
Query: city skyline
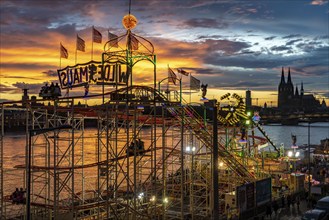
column 230, row 45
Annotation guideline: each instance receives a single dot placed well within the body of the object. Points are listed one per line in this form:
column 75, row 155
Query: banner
column 93, row 73
column 263, row 191
column 246, row 197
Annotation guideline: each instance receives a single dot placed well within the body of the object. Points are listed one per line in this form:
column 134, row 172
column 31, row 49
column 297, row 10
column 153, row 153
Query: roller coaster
column 129, row 183
column 71, row 172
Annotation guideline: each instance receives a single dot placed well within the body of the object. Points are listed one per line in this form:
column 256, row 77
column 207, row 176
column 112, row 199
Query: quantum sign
column 93, row 73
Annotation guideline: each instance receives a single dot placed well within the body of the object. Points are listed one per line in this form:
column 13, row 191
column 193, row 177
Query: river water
column 15, row 145
column 282, row 134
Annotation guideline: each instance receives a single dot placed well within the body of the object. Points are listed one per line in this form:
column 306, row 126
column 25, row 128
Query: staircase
column 192, row 119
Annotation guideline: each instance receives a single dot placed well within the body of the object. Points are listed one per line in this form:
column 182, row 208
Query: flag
column 194, row 83
column 64, row 53
column 80, row 44
column 97, row 36
column 134, row 43
column 113, row 40
column 171, row 76
column 183, row 72
column 86, row 90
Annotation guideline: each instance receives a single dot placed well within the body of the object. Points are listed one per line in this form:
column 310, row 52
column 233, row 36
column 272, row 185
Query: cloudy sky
column 230, row 45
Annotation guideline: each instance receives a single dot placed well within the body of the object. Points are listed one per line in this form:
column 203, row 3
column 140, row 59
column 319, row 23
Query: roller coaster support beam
column 215, row 208
column 32, row 133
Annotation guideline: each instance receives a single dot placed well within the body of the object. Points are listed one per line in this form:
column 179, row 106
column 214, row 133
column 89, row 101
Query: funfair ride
column 151, row 157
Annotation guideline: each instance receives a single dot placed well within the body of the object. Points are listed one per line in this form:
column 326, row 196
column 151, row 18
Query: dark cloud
column 27, row 66
column 51, row 73
column 66, row 29
column 18, row 77
column 291, row 42
column 203, row 71
column 8, row 89
column 280, row 48
column 309, row 46
column 209, row 37
column 205, row 23
column 324, row 37
column 34, row 88
column 227, row 47
column 270, row 38
column 291, row 36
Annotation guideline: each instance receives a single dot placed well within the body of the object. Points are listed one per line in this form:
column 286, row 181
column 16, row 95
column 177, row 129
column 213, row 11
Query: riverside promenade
column 289, row 213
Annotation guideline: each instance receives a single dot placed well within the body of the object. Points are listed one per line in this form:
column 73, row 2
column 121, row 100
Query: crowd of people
column 139, row 147
column 50, row 92
column 18, row 196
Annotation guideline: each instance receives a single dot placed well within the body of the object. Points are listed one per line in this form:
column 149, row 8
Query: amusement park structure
column 150, row 157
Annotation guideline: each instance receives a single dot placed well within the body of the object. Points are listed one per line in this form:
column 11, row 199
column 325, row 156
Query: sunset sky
column 229, row 45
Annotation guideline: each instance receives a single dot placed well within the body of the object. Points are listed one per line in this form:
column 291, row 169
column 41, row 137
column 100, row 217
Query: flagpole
column 168, row 84
column 60, row 55
column 76, row 49
column 190, row 87
column 92, row 42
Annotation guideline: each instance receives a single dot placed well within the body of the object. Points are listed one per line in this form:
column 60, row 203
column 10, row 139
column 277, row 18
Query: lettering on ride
column 93, row 73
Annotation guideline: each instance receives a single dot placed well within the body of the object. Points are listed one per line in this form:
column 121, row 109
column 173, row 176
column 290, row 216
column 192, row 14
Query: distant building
column 248, row 99
column 290, row 100
column 25, row 97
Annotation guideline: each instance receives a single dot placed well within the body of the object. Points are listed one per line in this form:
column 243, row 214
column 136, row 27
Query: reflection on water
column 15, row 147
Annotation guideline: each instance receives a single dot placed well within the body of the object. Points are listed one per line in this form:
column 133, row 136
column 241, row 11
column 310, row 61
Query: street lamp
column 32, row 133
column 309, row 163
column 293, row 156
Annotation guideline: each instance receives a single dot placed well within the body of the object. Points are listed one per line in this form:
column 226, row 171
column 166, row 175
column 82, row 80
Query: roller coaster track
column 188, row 116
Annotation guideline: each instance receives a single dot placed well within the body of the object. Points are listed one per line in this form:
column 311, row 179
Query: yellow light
column 247, row 122
column 165, row 200
column 129, row 21
column 249, row 113
column 152, row 199
column 221, row 164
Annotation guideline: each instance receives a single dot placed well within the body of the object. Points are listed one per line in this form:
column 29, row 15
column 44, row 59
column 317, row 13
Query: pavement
column 289, row 213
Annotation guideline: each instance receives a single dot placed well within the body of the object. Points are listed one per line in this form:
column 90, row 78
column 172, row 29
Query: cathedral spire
column 302, row 89
column 289, row 77
column 296, row 92
column 282, row 77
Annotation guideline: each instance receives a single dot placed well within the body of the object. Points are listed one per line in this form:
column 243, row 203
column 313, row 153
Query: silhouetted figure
column 57, row 90
column 282, row 201
column 294, row 140
column 275, row 207
column 289, row 200
column 204, row 91
column 298, row 203
column 52, row 88
column 14, row 196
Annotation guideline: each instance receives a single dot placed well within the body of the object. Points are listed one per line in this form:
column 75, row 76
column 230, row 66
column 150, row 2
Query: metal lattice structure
column 150, row 156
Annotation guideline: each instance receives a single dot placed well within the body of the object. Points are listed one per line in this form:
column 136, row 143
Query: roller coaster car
column 50, row 92
column 139, row 148
column 18, row 197
column 121, row 97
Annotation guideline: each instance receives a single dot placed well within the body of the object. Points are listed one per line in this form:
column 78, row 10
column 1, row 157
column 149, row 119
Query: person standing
column 289, row 200
column 275, row 207
column 282, row 201
column 268, row 210
column 298, row 203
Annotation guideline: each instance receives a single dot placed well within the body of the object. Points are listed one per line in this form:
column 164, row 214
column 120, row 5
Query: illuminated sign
column 93, row 73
